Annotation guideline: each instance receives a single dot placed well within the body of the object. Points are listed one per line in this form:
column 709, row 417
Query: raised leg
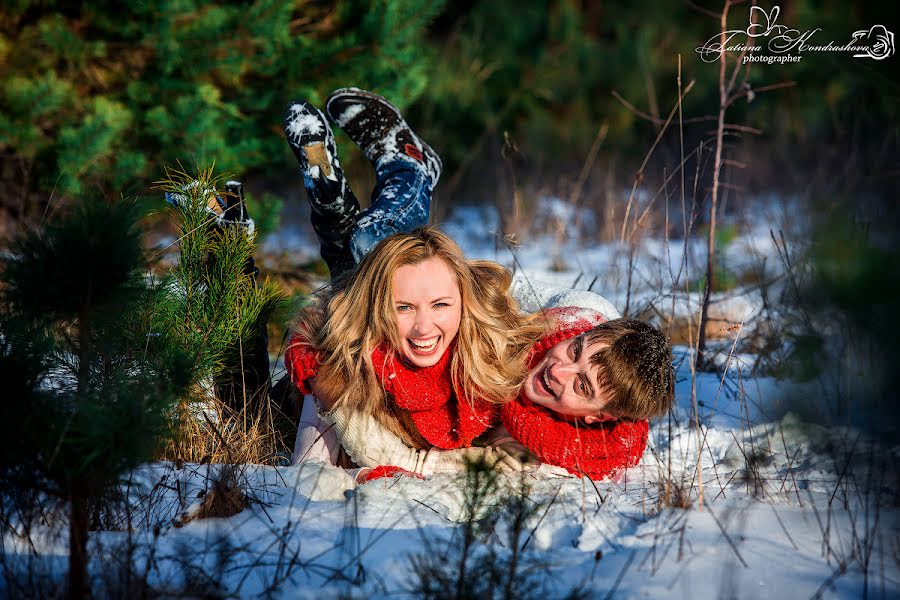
column 406, row 168
column 334, row 207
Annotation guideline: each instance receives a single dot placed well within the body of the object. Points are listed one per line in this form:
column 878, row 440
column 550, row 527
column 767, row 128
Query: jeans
column 401, row 201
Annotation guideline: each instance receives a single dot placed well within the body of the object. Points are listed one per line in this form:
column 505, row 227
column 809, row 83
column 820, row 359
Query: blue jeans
column 401, row 201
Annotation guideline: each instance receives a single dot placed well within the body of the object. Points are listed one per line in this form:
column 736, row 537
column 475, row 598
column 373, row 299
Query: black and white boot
column 335, row 208
column 225, row 209
column 379, row 130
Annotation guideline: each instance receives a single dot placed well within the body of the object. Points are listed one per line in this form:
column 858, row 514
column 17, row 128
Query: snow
column 349, row 114
column 771, row 535
column 304, row 124
column 790, row 509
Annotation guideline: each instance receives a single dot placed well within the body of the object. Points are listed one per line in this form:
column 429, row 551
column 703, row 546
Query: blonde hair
column 356, row 315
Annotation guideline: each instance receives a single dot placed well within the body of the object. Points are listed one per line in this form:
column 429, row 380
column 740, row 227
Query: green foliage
column 95, row 397
column 266, row 212
column 86, row 265
column 804, row 358
column 724, row 279
column 93, row 93
column 210, row 304
column 86, row 400
column 856, row 287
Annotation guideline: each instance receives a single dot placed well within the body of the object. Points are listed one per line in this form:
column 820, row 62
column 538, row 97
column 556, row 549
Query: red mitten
column 388, row 471
column 301, row 362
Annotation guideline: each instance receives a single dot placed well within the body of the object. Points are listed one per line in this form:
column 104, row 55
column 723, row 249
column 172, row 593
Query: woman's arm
column 371, row 445
column 533, row 296
column 315, row 440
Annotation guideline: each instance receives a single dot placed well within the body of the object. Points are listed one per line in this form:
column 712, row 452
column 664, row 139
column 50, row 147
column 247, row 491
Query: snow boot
column 334, row 207
column 379, row 130
column 228, row 209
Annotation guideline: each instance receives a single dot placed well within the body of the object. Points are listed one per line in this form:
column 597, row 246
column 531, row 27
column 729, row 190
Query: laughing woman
column 423, row 341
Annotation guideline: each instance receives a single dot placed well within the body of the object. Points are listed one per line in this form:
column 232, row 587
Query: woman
column 461, row 342
column 443, row 325
column 421, row 340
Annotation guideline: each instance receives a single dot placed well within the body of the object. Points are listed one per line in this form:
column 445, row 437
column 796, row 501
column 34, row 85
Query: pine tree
column 87, row 400
column 92, row 93
column 214, row 309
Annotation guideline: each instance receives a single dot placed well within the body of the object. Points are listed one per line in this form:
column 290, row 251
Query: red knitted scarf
column 443, row 416
column 594, row 450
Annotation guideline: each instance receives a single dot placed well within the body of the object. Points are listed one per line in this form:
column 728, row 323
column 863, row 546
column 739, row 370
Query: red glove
column 302, row 363
column 388, row 471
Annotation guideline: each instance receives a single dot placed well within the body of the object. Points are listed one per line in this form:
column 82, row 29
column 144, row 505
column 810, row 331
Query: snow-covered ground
column 778, row 508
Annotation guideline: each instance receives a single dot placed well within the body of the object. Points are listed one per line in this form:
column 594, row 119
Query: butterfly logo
column 762, row 23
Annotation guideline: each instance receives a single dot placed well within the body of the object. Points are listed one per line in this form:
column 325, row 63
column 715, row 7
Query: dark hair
column 635, row 368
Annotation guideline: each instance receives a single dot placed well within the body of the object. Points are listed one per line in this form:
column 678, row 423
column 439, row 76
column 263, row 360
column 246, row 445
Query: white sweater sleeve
column 371, row 445
column 533, row 296
column 315, row 439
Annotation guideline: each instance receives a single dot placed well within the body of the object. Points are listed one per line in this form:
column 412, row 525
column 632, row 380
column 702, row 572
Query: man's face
column 565, row 381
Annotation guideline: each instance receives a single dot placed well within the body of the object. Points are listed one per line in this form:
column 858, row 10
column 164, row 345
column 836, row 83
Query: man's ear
column 601, row 418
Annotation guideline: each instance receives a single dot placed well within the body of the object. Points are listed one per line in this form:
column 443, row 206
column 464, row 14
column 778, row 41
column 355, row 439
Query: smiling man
column 619, row 369
column 591, row 387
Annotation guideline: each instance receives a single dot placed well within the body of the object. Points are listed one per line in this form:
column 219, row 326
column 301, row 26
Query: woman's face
column 427, row 308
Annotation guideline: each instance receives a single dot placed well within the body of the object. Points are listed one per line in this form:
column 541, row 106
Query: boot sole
column 311, row 110
column 353, row 92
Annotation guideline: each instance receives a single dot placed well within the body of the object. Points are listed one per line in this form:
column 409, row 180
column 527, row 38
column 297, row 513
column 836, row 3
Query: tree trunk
column 78, row 531
column 714, row 203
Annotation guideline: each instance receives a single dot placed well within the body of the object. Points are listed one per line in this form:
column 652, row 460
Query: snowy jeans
column 401, row 202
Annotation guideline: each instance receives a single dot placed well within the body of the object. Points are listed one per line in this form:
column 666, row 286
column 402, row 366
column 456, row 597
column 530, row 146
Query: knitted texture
column 371, row 445
column 593, row 450
column 388, row 471
column 443, row 416
column 446, row 419
column 301, row 363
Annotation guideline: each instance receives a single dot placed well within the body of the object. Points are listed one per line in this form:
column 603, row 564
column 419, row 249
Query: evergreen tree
column 212, row 306
column 87, row 401
column 92, row 93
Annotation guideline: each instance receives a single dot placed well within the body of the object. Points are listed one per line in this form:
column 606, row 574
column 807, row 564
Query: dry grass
column 225, row 498
column 208, row 431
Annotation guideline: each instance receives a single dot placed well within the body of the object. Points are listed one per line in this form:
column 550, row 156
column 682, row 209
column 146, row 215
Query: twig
column 639, row 175
column 538, row 524
column 621, row 576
